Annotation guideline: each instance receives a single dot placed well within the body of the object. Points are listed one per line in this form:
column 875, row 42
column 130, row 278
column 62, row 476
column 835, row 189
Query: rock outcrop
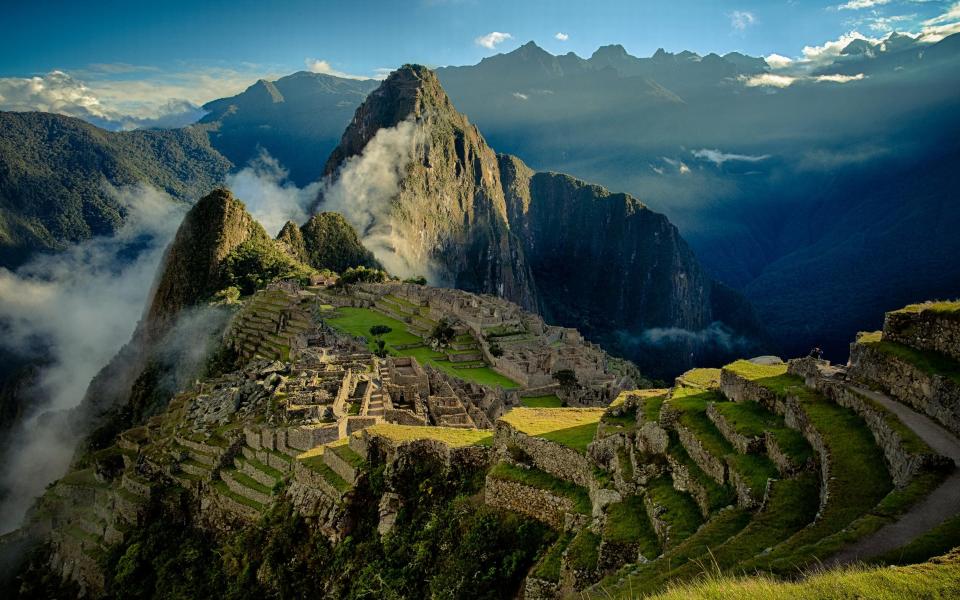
column 579, row 254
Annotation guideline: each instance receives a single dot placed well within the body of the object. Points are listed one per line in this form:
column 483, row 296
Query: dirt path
column 940, row 505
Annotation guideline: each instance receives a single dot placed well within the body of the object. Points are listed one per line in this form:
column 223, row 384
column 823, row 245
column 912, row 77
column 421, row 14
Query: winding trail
column 941, row 504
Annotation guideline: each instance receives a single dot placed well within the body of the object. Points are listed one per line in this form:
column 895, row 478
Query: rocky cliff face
column 581, row 255
column 447, row 216
column 192, row 268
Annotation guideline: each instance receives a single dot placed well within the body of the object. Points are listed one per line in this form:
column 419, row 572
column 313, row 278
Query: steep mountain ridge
column 54, row 187
column 582, row 256
column 326, row 241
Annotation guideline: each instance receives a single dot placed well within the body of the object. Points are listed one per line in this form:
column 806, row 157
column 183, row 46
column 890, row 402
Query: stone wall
column 743, row 444
column 714, row 466
column 924, row 330
column 535, row 588
column 739, row 389
column 902, row 463
column 537, row 503
column 934, row 395
column 556, row 459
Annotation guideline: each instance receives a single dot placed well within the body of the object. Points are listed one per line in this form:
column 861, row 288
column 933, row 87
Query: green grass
column 583, row 551
column 571, row 427
column 223, row 490
column 539, row 479
column 358, row 321
column 930, row 580
column 755, row 469
column 859, row 477
column 452, row 436
column 651, row 407
column 750, row 419
column 627, row 523
column 950, row 307
column 693, row 415
column 249, row 482
column 348, row 454
column 548, row 401
column 718, row 495
column 644, row 578
column 702, row 378
column 275, row 473
column 549, row 566
column 622, row 423
column 316, row 464
column 931, row 363
column 681, row 512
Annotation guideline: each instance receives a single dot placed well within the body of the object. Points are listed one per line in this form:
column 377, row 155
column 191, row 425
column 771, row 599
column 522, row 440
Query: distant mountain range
column 822, row 190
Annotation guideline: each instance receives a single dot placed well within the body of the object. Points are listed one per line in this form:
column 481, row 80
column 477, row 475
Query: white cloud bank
column 316, row 65
column 364, row 189
column 861, row 4
column 492, row 39
column 718, row 158
column 270, row 198
column 76, row 309
column 561, row 36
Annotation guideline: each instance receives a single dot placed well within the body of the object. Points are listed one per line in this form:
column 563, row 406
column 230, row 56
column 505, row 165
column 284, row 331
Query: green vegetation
column 314, row 461
column 583, row 551
column 939, row 540
column 718, row 496
column 680, row 511
column 544, row 481
column 947, row 307
column 259, row 261
column 223, row 490
column 548, row 401
column 621, row 423
column 358, row 322
column 753, row 420
column 549, row 566
column 361, row 275
column 701, row 378
column 627, row 523
column 928, row 361
column 330, row 242
column 571, row 427
column 452, row 436
column 651, row 406
column 932, row 580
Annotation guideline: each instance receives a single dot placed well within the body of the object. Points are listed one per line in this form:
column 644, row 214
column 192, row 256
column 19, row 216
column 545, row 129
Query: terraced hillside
column 759, row 467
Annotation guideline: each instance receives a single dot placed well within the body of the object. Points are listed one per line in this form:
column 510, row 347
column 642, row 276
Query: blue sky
column 126, row 53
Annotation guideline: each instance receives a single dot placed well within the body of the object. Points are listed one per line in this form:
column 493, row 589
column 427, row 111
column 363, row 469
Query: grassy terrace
column 648, row 577
column 859, row 477
column 627, row 523
column 792, row 505
column 313, row 460
column 452, row 436
column 681, row 512
column 949, row 307
column 583, row 551
column 692, row 405
column 549, row 566
column 358, row 321
column 751, row 419
column 702, row 378
column 223, row 490
column 571, row 427
column 940, row 579
column 932, row 363
column 544, row 481
column 718, row 495
column 548, row 401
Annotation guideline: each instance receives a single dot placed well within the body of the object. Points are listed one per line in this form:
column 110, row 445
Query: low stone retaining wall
column 714, row 466
column 247, row 492
column 684, row 481
column 537, row 503
column 305, row 476
column 652, row 439
column 535, row 588
column 933, row 395
column 340, row 466
column 740, row 389
column 902, row 463
column 556, row 459
column 305, row 438
column 744, row 444
column 239, row 509
column 924, row 330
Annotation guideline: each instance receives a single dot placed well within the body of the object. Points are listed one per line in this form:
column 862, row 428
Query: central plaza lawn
column 358, row 321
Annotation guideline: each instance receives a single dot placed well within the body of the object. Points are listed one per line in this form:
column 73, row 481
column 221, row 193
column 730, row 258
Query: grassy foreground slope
column 939, row 578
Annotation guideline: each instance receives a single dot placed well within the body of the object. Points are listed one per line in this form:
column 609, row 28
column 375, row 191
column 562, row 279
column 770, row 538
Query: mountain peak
column 611, row 51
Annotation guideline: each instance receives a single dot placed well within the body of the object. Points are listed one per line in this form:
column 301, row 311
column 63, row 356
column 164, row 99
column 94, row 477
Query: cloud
column 741, row 19
column 777, row 61
column 315, row 65
column 269, row 197
column 840, row 78
column 861, row 4
column 562, row 36
column 492, row 39
column 718, row 158
column 768, row 80
column 887, row 24
column 716, row 334
column 382, row 72
column 679, row 165
column 363, row 190
column 829, row 51
column 520, row 96
column 941, row 26
column 120, row 96
column 75, row 310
